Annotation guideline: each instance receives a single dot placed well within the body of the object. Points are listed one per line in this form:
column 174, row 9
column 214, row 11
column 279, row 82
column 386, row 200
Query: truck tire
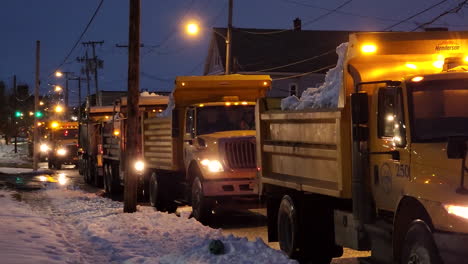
column 419, row 246
column 201, row 208
column 159, row 195
column 113, row 180
column 58, row 165
column 288, row 227
column 98, row 180
column 106, row 169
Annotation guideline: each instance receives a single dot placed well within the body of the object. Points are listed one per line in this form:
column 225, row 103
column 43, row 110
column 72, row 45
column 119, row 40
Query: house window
column 293, row 89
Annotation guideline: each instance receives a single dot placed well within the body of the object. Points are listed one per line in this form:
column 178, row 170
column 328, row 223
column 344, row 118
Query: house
column 296, row 59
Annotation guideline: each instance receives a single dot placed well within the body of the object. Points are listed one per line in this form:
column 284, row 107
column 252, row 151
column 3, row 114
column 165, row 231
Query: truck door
column 389, row 151
column 189, row 134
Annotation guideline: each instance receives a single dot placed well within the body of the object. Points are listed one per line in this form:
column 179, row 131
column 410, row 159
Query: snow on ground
column 8, row 155
column 70, row 226
column 325, row 96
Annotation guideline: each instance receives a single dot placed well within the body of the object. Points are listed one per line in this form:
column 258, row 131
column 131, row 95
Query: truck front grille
column 240, row 153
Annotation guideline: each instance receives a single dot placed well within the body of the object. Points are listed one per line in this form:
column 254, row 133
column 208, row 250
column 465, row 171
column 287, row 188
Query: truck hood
column 229, row 134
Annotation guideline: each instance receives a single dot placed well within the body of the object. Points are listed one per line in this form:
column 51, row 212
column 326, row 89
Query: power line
column 456, row 9
column 305, row 23
column 79, row 38
column 383, row 19
column 298, row 62
column 306, row 73
column 144, row 74
column 415, row 15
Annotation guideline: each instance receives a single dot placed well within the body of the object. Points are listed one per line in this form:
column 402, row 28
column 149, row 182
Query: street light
column 192, row 28
column 58, row 109
column 60, row 74
column 58, row 88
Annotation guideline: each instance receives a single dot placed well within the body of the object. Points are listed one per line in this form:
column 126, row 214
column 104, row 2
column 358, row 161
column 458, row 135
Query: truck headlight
column 461, row 211
column 61, row 152
column 44, row 148
column 62, row 179
column 139, row 166
column 212, row 165
column 42, row 178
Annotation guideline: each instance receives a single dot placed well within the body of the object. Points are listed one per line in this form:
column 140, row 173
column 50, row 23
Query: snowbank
column 68, row 226
column 325, row 96
column 8, row 155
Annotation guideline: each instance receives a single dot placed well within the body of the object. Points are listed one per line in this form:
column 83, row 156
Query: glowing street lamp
column 192, row 28
column 58, row 88
column 58, row 109
column 58, row 74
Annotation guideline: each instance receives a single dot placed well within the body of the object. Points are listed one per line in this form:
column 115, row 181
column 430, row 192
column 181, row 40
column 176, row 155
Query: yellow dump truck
column 202, row 152
column 90, row 161
column 114, row 141
column 64, row 144
column 384, row 170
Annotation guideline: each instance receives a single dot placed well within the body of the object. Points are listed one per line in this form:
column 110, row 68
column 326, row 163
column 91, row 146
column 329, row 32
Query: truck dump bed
column 305, row 150
column 160, row 148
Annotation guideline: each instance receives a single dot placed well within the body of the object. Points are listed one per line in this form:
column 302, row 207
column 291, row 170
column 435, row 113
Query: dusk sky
column 168, row 52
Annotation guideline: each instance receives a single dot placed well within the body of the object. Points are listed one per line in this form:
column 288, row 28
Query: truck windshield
column 438, row 109
column 212, row 119
column 66, row 134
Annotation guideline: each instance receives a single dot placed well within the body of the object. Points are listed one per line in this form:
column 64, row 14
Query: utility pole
column 15, row 125
column 229, row 40
column 95, row 64
column 36, row 107
column 132, row 153
column 86, row 60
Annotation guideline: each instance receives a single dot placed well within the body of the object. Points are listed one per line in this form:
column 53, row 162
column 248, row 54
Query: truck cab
column 384, row 170
column 202, row 149
column 64, row 144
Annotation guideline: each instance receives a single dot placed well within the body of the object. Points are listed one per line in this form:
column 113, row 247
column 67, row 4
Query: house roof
column 270, row 50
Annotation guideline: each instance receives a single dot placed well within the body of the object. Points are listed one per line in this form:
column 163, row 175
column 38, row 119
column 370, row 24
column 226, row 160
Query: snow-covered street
column 70, row 226
column 76, row 224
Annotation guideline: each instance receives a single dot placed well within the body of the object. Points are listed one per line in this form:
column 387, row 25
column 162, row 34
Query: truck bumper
column 244, row 187
column 452, row 247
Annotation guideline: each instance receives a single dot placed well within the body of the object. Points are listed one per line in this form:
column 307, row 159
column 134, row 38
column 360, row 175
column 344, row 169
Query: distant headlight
column 461, row 211
column 212, row 165
column 42, row 178
column 44, row 148
column 61, row 152
column 62, row 179
column 139, row 166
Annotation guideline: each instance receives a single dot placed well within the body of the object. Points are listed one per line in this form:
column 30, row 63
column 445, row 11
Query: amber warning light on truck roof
column 368, row 48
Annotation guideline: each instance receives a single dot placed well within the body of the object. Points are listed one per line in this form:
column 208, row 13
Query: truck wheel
column 288, row 235
column 87, row 174
column 98, row 181
column 155, row 192
column 419, row 246
column 106, row 177
column 114, row 179
column 201, row 208
column 58, row 165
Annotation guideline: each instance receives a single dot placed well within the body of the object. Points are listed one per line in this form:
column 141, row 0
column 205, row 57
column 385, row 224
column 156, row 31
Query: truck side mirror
column 456, row 147
column 359, row 108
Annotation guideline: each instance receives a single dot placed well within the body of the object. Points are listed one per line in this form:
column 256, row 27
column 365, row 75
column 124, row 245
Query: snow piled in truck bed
column 68, row 226
column 325, row 96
